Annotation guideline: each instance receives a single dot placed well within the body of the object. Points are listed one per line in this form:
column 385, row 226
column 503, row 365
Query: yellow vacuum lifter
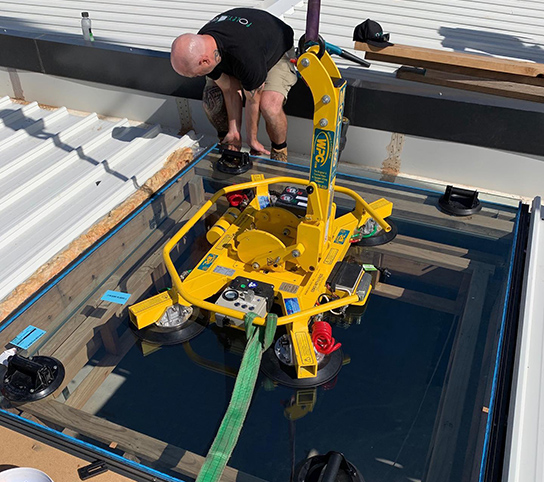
column 266, row 257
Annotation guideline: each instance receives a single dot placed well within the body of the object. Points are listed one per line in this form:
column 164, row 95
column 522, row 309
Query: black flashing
column 19, row 53
column 476, row 124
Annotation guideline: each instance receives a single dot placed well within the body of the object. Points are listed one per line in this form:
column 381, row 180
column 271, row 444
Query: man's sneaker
column 278, row 154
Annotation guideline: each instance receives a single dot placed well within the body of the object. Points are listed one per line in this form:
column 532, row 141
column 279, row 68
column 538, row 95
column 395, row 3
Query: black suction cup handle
column 353, row 58
column 459, row 202
column 330, row 472
column 24, row 365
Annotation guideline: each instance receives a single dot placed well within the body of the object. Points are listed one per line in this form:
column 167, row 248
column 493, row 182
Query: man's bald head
column 194, row 55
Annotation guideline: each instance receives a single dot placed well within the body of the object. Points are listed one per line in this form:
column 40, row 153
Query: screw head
column 305, row 62
column 295, row 253
column 323, row 122
column 325, row 99
column 286, row 232
column 255, row 265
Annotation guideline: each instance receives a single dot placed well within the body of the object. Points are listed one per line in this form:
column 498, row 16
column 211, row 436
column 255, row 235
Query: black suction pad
column 459, row 202
column 233, row 162
column 332, row 467
column 381, row 237
column 30, row 379
column 285, row 375
column 172, row 332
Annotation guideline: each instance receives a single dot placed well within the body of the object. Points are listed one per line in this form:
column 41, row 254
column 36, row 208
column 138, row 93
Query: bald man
column 247, row 51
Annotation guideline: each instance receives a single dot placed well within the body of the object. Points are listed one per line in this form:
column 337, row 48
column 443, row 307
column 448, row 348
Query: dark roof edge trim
column 497, row 127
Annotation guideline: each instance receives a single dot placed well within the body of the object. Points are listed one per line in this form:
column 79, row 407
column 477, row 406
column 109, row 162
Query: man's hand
column 233, row 141
column 257, row 148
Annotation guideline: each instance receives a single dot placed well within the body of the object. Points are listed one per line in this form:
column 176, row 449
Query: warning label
column 289, row 288
column 331, row 256
column 304, row 347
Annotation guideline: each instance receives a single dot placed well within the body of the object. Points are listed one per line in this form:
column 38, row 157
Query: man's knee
column 271, row 104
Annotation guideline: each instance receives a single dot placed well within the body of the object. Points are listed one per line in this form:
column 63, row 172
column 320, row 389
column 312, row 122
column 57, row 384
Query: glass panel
column 410, row 401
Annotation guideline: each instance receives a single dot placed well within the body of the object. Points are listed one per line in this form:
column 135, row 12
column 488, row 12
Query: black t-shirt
column 250, row 41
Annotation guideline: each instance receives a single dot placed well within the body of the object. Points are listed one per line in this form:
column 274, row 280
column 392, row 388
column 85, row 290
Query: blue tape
column 116, row 297
column 27, row 337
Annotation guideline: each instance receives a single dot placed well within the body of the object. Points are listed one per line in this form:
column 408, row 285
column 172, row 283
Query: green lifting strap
column 259, row 339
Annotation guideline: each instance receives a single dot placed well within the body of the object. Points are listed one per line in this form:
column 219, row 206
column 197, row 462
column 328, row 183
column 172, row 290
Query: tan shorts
column 282, row 76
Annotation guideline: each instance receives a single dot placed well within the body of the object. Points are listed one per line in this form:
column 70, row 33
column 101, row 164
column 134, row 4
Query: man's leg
column 215, row 109
column 279, row 81
column 274, row 116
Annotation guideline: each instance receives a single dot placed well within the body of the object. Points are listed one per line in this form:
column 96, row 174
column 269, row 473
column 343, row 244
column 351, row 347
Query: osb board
column 21, row 451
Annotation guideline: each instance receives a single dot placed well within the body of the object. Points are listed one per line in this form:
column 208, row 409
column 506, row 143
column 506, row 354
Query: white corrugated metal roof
column 493, row 27
column 152, row 24
column 497, row 28
column 60, row 173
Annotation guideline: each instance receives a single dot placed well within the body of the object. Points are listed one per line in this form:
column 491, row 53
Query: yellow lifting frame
column 182, row 296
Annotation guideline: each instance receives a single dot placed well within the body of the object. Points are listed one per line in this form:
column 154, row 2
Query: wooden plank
column 87, row 307
column 453, row 398
column 431, row 257
column 79, row 357
column 196, row 191
column 142, row 446
column 136, row 281
column 451, row 61
column 84, row 391
column 513, row 90
column 398, row 266
column 110, row 340
column 415, row 298
column 451, row 250
column 161, row 278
